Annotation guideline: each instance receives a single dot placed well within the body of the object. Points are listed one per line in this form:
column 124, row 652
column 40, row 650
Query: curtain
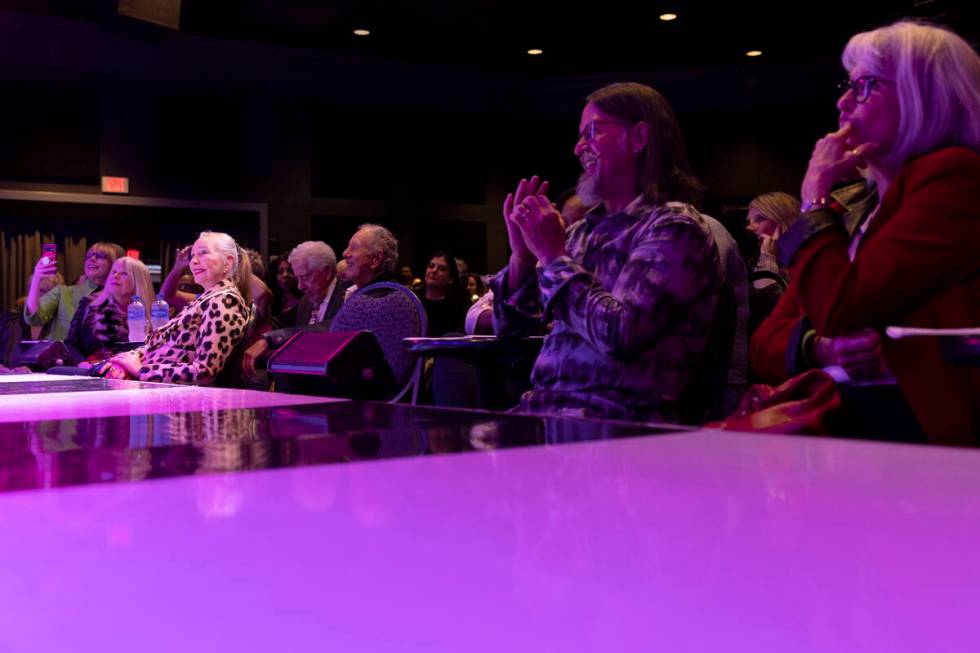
column 19, row 254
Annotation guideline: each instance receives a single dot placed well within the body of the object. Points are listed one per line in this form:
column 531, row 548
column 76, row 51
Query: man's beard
column 588, row 189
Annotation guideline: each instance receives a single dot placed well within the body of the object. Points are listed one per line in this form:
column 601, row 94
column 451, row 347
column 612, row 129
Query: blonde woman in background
column 99, row 328
column 770, row 214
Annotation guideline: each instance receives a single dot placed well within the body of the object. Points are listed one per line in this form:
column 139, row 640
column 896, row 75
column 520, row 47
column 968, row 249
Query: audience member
column 286, row 294
column 442, row 296
column 261, row 295
column 632, row 288
column 371, row 256
column 195, row 346
column 57, row 306
column 315, row 266
column 769, row 216
column 910, row 124
column 475, row 288
column 100, row 328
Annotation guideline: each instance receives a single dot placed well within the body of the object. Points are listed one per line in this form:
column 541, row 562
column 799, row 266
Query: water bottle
column 136, row 317
column 159, row 313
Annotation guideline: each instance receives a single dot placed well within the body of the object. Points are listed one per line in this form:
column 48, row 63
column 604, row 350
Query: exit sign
column 119, row 185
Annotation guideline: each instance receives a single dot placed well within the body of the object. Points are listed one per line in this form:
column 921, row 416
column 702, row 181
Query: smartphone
column 49, row 253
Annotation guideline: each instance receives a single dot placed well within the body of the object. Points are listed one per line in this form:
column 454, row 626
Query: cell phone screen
column 50, row 252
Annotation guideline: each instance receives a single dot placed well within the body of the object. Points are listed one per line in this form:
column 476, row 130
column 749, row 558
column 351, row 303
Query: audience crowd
column 649, row 310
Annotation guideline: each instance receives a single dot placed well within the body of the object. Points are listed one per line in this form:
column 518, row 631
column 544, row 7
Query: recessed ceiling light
column 668, row 16
column 754, row 53
column 362, row 32
column 535, row 52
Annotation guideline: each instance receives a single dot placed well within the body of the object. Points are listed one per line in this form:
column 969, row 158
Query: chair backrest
column 392, row 313
column 720, row 377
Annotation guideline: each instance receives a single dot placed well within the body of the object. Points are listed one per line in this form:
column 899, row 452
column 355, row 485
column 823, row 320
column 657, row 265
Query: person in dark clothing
column 443, row 296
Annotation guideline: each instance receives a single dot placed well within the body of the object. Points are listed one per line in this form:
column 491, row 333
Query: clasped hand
column 534, row 226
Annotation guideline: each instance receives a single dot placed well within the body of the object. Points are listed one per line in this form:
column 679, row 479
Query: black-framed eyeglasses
column 99, row 256
column 860, row 87
column 589, row 133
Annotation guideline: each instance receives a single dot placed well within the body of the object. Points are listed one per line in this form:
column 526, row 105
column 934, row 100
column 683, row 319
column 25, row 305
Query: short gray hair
column 385, row 241
column 317, row 254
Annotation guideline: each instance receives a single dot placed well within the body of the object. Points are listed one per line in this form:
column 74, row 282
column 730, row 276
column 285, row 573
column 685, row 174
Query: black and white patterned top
column 98, row 330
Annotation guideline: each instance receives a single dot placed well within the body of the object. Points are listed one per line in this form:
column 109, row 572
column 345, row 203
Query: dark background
column 423, row 126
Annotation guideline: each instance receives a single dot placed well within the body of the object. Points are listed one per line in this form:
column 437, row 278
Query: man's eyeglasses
column 99, row 256
column 306, row 276
column 594, row 128
column 860, row 87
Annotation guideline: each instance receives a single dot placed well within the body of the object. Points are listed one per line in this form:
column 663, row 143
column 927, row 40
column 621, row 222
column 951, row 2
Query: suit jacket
column 276, row 338
column 918, row 265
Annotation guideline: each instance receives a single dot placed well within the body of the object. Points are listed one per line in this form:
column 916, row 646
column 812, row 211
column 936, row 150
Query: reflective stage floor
column 364, row 526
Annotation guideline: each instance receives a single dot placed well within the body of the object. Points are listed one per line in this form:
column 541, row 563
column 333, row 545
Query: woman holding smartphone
column 57, row 306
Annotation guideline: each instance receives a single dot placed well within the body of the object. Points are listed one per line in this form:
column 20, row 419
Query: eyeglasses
column 860, row 87
column 589, row 133
column 101, row 256
column 307, row 276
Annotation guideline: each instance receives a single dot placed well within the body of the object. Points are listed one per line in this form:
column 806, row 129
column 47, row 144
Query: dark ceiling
column 604, row 36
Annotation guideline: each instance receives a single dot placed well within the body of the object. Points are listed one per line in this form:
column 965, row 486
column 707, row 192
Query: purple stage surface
column 25, row 397
column 99, row 431
column 683, row 541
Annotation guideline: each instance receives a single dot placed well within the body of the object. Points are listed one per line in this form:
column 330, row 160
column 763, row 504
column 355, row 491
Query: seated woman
column 769, row 216
column 475, row 288
column 261, row 295
column 442, row 295
column 57, row 306
column 195, row 345
column 285, row 294
column 910, row 122
column 99, row 328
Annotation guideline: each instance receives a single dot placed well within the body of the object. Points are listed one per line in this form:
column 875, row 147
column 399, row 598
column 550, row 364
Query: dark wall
column 329, row 143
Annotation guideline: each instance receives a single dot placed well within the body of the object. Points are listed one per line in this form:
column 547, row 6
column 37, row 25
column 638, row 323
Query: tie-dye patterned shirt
column 632, row 305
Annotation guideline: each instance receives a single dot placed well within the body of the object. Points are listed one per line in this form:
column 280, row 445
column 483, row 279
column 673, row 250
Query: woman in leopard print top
column 194, row 346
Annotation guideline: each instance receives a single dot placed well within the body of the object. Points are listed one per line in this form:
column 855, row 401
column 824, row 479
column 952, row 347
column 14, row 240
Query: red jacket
column 918, row 265
column 769, row 349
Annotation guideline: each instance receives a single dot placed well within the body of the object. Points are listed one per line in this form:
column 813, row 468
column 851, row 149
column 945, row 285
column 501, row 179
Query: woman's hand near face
column 832, row 162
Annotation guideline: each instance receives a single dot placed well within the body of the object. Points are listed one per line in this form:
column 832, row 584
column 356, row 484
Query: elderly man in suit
column 315, row 266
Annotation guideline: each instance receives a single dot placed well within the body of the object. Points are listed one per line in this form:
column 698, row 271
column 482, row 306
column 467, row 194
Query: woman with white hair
column 196, row 344
column 910, row 125
column 99, row 328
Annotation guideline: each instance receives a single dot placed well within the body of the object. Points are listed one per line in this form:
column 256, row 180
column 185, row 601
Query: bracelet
column 818, row 203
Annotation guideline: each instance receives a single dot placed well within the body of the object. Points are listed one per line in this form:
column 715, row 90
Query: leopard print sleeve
column 199, row 355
